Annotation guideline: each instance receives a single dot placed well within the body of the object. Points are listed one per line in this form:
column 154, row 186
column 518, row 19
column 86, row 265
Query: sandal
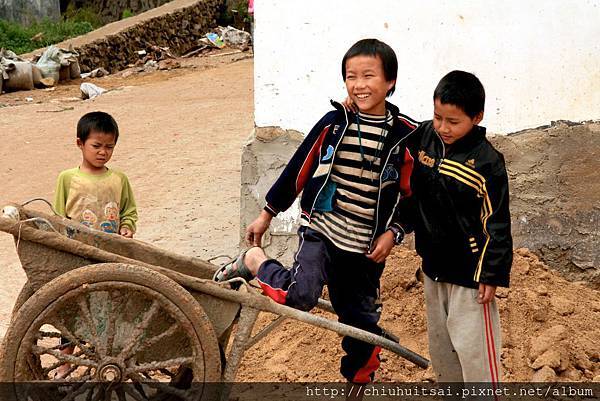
column 236, row 268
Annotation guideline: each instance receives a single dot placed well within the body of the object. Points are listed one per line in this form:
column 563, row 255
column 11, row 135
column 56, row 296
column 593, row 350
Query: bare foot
column 254, row 258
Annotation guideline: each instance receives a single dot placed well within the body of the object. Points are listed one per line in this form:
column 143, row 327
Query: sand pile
column 551, row 330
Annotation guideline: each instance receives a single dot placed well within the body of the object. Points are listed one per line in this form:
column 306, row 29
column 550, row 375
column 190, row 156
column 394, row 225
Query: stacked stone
column 179, row 30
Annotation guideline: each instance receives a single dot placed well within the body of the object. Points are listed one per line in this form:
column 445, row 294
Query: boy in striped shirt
column 353, row 170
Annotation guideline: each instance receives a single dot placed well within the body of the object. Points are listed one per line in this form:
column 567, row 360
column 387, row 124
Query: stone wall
column 554, row 185
column 27, row 11
column 179, row 30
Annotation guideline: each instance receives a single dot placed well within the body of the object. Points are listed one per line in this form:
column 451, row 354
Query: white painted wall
column 538, row 60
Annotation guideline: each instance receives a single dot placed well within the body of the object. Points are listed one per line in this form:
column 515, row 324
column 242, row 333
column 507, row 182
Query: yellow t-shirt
column 103, row 202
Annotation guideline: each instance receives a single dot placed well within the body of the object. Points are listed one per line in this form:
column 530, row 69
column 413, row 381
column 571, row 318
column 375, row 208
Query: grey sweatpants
column 464, row 336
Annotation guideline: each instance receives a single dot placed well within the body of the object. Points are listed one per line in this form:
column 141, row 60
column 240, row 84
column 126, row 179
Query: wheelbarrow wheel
column 111, row 330
column 25, row 293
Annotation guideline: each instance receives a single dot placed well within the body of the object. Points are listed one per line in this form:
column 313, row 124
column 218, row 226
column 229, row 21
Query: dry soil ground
column 182, row 135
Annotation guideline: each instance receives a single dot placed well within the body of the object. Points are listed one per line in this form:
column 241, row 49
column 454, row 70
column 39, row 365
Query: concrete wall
column 555, row 195
column 28, row 11
column 537, row 59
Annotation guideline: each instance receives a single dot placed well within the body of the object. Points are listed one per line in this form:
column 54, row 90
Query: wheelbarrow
column 122, row 319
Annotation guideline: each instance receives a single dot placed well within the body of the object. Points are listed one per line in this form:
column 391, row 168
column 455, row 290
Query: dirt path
column 182, row 133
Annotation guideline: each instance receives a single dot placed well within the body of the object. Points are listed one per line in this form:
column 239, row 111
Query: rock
column 542, row 290
column 550, row 358
column 544, row 375
column 562, row 306
column 540, row 311
column 572, row 375
column 596, row 379
column 523, row 252
column 581, row 360
column 545, row 340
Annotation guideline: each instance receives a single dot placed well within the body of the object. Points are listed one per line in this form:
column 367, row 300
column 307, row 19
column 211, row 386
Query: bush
column 84, row 14
column 19, row 38
column 127, row 13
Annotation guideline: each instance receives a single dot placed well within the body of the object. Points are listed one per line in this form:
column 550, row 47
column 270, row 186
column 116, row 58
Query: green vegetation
column 127, row 13
column 236, row 14
column 22, row 39
column 84, row 14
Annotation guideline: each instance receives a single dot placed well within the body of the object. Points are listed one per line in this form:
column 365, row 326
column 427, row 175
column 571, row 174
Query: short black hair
column 374, row 48
column 463, row 90
column 97, row 121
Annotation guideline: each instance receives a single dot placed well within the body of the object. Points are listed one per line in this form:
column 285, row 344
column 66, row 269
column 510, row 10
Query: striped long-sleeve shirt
column 355, row 173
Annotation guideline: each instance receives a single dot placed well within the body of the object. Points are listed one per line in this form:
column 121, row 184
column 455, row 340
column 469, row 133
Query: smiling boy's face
column 366, row 83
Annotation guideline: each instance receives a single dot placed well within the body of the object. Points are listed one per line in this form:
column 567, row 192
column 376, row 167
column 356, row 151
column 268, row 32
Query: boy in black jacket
column 353, row 170
column 462, row 231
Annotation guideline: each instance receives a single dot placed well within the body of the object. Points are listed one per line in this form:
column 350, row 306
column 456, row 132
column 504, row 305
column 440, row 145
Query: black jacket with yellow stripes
column 460, row 212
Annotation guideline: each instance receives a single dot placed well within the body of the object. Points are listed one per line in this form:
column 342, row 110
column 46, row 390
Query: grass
column 127, row 13
column 23, row 39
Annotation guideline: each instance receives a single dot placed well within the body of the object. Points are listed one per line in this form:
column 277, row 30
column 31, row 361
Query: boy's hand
column 486, row 293
column 349, row 105
column 257, row 228
column 126, row 232
column 381, row 247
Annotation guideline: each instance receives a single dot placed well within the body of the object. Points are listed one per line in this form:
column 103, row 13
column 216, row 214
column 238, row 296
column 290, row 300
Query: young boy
column 462, row 232
column 352, row 170
column 92, row 194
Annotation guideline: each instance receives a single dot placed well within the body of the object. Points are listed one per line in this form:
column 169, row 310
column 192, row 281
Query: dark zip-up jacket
column 309, row 168
column 460, row 209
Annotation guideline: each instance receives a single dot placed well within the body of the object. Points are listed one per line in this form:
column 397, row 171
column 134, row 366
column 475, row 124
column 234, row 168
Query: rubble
column 91, row 91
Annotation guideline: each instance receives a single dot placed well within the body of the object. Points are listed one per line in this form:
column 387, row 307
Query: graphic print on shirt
column 94, row 201
column 111, row 216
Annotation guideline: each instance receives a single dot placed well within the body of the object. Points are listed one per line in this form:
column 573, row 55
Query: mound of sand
column 550, row 330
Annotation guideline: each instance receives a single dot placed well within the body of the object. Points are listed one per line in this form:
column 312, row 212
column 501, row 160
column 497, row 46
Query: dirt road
column 182, row 133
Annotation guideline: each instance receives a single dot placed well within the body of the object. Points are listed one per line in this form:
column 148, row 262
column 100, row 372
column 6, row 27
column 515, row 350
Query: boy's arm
column 128, row 214
column 496, row 257
column 60, row 194
column 299, row 169
column 404, row 214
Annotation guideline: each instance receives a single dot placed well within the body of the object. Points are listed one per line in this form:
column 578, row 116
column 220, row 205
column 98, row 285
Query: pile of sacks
column 53, row 65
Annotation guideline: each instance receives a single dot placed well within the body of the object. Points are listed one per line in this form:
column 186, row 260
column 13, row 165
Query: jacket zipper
column 312, row 208
column 439, row 164
column 379, row 190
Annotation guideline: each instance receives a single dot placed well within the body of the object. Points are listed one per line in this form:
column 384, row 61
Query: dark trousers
column 353, row 283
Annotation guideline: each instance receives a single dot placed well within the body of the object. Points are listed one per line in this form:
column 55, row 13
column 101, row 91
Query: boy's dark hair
column 463, row 90
column 374, row 48
column 97, row 121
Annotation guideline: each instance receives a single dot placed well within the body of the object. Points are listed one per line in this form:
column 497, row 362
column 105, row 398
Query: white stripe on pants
column 464, row 336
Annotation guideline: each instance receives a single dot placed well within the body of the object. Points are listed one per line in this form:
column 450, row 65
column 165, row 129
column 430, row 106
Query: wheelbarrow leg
column 245, row 325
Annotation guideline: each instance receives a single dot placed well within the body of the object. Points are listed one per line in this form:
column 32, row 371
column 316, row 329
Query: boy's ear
column 391, row 84
column 477, row 119
column 79, row 143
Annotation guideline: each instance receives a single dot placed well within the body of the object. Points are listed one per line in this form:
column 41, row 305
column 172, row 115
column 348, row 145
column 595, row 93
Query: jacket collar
column 476, row 135
column 389, row 106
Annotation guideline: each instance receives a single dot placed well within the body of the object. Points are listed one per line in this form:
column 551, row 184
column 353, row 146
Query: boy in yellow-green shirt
column 92, row 194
